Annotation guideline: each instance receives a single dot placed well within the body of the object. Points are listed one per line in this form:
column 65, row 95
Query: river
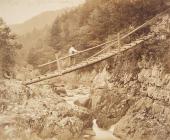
column 102, row 134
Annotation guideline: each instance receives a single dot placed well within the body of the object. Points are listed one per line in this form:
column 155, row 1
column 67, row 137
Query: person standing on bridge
column 72, row 51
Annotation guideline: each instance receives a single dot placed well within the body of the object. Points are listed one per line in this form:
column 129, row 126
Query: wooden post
column 168, row 25
column 58, row 62
column 70, row 61
column 118, row 41
column 49, row 66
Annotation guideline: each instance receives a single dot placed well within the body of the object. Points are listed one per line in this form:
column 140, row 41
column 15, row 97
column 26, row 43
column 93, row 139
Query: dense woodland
column 97, row 21
column 83, row 27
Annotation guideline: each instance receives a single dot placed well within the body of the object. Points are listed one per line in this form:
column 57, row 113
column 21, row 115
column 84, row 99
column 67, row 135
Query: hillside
column 99, row 20
column 38, row 22
column 134, row 92
column 35, row 47
column 33, row 34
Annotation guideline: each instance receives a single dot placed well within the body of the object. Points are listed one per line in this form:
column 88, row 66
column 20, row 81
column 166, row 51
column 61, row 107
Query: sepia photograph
column 84, row 69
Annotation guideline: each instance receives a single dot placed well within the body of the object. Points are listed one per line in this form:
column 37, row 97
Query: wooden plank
column 118, row 40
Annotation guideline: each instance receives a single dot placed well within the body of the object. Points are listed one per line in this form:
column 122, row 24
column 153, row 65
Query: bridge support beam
column 118, row 41
column 58, row 62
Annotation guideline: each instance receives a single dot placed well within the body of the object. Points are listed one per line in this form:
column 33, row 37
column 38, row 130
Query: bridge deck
column 91, row 61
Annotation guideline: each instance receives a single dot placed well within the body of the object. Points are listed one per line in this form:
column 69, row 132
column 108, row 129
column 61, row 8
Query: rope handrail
column 114, row 41
column 79, row 52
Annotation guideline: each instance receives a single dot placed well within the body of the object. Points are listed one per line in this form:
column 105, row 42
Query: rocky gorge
column 129, row 92
column 133, row 92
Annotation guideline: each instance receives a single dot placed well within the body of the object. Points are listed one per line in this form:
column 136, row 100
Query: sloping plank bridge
column 97, row 58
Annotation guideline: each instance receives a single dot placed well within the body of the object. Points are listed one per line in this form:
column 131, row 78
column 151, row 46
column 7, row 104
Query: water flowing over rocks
column 37, row 113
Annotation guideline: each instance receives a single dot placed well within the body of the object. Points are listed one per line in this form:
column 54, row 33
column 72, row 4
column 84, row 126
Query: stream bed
column 100, row 134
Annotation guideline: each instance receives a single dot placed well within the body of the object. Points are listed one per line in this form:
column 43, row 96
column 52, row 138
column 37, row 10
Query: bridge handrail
column 79, row 52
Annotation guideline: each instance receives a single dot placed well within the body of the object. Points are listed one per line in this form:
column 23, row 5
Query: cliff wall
column 133, row 92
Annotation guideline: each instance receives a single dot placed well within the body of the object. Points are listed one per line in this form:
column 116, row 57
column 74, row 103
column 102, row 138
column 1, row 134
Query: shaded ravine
column 100, row 134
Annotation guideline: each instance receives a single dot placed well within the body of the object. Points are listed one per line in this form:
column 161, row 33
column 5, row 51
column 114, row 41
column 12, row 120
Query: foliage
column 88, row 25
column 38, row 50
column 96, row 20
column 40, row 54
column 8, row 46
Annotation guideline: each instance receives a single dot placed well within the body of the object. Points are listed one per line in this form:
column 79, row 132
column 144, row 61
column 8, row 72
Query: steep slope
column 34, row 34
column 37, row 22
column 133, row 91
column 36, row 40
column 97, row 21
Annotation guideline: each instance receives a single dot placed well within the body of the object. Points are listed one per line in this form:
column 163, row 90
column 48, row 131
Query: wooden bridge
column 98, row 57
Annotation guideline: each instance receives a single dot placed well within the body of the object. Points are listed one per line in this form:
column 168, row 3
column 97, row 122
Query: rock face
column 84, row 102
column 146, row 119
column 134, row 93
column 38, row 113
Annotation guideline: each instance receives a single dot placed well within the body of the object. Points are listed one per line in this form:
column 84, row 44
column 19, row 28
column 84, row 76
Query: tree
column 55, row 37
column 8, row 47
column 99, row 23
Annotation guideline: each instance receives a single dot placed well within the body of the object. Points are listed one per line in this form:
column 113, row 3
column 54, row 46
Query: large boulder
column 59, row 89
column 84, row 102
column 145, row 120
